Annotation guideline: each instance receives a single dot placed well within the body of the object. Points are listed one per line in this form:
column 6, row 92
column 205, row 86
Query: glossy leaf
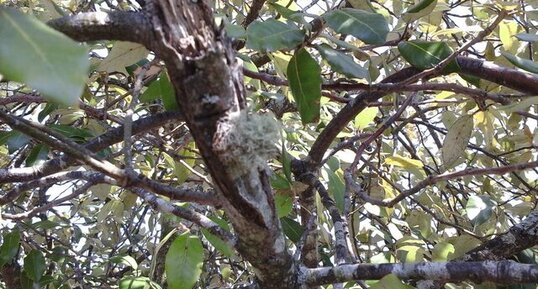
column 272, row 35
column 122, row 55
column 41, row 57
column 456, row 141
column 34, row 265
column 10, row 247
column 421, row 9
column 342, row 62
column 424, row 55
column 371, row 28
column 305, row 84
column 292, row 229
column 184, row 262
column 522, row 63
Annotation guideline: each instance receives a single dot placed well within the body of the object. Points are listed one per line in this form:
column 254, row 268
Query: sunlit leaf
column 456, row 141
column 42, row 57
column 479, row 209
column 184, row 262
column 137, row 283
column 305, row 83
column 403, row 162
column 390, row 281
column 422, row 8
column 122, row 55
column 366, row 117
column 272, row 35
column 372, row 28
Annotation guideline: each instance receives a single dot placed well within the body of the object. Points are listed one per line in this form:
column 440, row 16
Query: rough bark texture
column 209, row 89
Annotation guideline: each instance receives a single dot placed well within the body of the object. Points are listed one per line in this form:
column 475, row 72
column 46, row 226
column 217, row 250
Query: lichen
column 245, row 142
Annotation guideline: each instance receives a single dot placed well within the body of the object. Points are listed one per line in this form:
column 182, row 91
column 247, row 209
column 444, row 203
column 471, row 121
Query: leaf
column 74, row 133
column 456, row 141
column 292, row 229
column 34, row 265
column 10, row 247
column 161, row 89
column 283, row 204
column 122, row 55
column 479, row 209
column 422, row 8
column 272, row 35
column 137, row 283
column 304, row 76
column 341, row 62
column 14, row 140
column 42, row 57
column 404, row 162
column 337, row 188
column 442, row 252
column 219, row 244
column 371, row 28
column 125, row 260
column 366, row 117
column 38, row 153
column 522, row 105
column 507, row 30
column 527, row 37
column 522, row 63
column 390, row 281
column 183, row 262
column 424, row 54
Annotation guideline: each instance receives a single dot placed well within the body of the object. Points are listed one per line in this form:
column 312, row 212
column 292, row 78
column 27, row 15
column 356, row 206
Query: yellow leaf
column 403, row 162
column 507, row 30
column 456, row 141
column 366, row 117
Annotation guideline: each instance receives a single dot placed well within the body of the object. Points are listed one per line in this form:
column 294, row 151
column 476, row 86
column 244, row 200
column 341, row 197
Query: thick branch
column 116, row 25
column 505, row 272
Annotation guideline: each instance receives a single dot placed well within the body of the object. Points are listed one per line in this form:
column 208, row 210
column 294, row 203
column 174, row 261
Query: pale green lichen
column 246, row 142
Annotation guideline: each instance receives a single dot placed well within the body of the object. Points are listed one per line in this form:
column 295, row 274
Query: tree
column 268, row 144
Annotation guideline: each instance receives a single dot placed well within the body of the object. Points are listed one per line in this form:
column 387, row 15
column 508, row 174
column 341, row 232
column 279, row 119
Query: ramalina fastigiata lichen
column 246, row 142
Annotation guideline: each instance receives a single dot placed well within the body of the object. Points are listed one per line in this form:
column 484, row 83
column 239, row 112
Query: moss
column 246, row 142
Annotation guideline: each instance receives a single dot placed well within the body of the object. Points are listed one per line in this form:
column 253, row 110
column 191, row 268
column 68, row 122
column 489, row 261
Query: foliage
column 422, row 172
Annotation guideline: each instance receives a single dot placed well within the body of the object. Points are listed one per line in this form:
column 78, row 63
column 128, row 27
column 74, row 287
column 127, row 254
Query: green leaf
column 337, row 187
column 342, row 62
column 138, row 283
column 10, row 247
column 219, row 244
column 522, row 105
column 522, row 63
column 371, row 28
column 283, row 204
column 74, row 133
column 292, row 229
column 161, row 89
column 422, row 8
column 304, row 76
column 183, row 262
column 125, row 260
column 272, row 35
column 366, row 117
column 424, row 54
column 14, row 140
column 42, row 57
column 456, row 141
column 122, row 55
column 39, row 152
column 390, row 281
column 34, row 265
column 479, row 209
column 527, row 37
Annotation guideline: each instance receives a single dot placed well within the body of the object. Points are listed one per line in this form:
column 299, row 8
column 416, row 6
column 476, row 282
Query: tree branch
column 504, row 272
column 116, row 25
